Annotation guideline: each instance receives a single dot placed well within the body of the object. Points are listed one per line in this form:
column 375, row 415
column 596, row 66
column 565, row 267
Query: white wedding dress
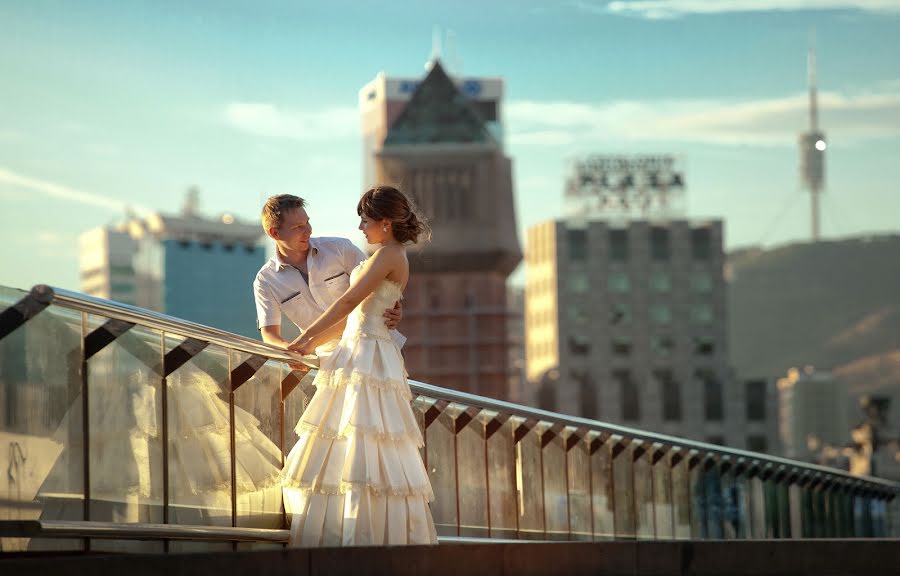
column 356, row 477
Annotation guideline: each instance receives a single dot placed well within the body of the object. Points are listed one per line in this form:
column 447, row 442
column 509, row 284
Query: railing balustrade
column 110, row 413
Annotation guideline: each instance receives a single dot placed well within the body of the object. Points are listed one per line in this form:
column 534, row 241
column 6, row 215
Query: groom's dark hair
column 277, row 206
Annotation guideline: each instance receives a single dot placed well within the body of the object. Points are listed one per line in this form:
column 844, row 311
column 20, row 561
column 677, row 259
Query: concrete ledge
column 619, row 558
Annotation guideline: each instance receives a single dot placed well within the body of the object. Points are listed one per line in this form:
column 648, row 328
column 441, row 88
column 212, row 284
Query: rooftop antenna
column 453, row 59
column 813, row 143
column 191, row 202
column 435, row 48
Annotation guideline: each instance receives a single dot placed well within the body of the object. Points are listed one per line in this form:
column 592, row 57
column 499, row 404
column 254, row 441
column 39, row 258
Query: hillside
column 835, row 305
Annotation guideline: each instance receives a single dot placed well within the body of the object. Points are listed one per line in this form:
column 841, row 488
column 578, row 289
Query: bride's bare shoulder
column 391, row 253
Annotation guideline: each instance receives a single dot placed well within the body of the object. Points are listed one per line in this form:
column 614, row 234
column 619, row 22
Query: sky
column 114, row 106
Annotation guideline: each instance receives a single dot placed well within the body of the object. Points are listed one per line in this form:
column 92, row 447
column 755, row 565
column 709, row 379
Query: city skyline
column 112, row 106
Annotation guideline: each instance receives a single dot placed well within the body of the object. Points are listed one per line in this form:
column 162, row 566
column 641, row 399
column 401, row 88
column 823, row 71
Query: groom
column 306, row 275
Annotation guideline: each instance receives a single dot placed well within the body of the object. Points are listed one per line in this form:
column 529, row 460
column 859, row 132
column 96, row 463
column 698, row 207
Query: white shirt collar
column 281, row 265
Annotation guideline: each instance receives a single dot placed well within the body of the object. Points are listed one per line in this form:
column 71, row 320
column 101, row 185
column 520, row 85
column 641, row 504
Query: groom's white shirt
column 280, row 288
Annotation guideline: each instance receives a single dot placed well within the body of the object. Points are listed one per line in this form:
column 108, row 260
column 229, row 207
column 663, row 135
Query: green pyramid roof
column 438, row 113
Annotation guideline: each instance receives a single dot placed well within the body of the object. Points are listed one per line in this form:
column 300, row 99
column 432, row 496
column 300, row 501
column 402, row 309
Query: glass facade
column 211, row 286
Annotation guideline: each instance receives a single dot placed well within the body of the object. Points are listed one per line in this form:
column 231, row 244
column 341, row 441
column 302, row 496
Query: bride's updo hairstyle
column 386, row 202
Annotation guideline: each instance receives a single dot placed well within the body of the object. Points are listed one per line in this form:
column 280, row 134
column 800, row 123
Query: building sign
column 626, row 186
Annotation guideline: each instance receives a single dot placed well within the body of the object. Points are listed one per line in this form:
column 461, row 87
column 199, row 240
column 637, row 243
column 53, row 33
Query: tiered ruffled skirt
column 356, row 477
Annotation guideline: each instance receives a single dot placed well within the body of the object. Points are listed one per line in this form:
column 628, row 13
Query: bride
column 355, row 477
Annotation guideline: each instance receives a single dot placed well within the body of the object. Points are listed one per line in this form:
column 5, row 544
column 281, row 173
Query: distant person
column 356, row 476
column 306, row 275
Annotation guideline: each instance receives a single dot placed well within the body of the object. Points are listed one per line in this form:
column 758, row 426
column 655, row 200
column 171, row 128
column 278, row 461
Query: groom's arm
column 272, row 335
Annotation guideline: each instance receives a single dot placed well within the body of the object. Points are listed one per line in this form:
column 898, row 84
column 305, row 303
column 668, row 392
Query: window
column 631, row 408
column 125, row 269
column 663, row 344
column 617, row 282
column 618, row 245
column 701, row 243
column 547, row 396
column 756, row 401
column 660, row 281
column 712, row 394
column 621, row 346
column 704, row 346
column 578, row 315
column 619, row 314
column 716, row 439
column 577, row 240
column 701, row 281
column 671, row 395
column 587, row 391
column 661, row 314
column 757, row 443
column 659, row 244
column 578, row 282
column 579, row 345
column 701, row 313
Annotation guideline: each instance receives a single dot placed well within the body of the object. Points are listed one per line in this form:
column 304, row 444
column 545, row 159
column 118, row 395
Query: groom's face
column 295, row 230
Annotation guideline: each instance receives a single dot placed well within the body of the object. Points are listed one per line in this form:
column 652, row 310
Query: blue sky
column 108, row 104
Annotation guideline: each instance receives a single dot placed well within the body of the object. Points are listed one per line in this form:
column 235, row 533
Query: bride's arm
column 382, row 263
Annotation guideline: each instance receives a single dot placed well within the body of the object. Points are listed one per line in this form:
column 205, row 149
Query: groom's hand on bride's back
column 393, row 315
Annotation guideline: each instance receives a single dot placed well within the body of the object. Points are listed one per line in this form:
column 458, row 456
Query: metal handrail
column 144, row 531
column 156, row 320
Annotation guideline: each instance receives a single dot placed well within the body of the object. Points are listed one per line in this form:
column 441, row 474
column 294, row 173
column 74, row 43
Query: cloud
column 21, row 182
column 847, row 118
column 668, row 9
column 264, row 119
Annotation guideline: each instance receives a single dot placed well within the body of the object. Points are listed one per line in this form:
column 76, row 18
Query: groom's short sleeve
column 351, row 255
column 268, row 309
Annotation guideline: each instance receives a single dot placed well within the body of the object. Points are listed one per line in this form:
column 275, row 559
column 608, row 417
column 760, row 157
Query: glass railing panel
column 730, row 510
column 710, row 502
column 623, row 483
column 298, row 391
column 773, row 520
column 199, row 448
column 643, row 495
column 556, row 501
column 819, row 509
column 530, row 484
column 879, row 521
column 758, row 512
column 41, row 448
column 501, row 457
column 602, row 490
column 741, row 500
column 579, row 469
column 473, row 492
column 832, row 527
column 257, row 441
column 698, row 499
column 440, row 460
column 663, row 505
column 124, row 421
column 681, row 499
column 800, row 511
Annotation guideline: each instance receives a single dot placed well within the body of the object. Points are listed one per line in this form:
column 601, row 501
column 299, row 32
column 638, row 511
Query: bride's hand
column 301, row 345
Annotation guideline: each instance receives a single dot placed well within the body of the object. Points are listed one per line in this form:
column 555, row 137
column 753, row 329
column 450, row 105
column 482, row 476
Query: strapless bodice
column 368, row 318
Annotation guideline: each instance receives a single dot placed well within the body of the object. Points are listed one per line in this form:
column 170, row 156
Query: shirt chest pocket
column 293, row 306
column 336, row 285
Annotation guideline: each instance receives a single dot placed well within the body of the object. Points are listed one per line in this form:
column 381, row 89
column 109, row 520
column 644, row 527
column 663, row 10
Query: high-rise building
column 626, row 323
column 196, row 268
column 812, row 412
column 440, row 140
